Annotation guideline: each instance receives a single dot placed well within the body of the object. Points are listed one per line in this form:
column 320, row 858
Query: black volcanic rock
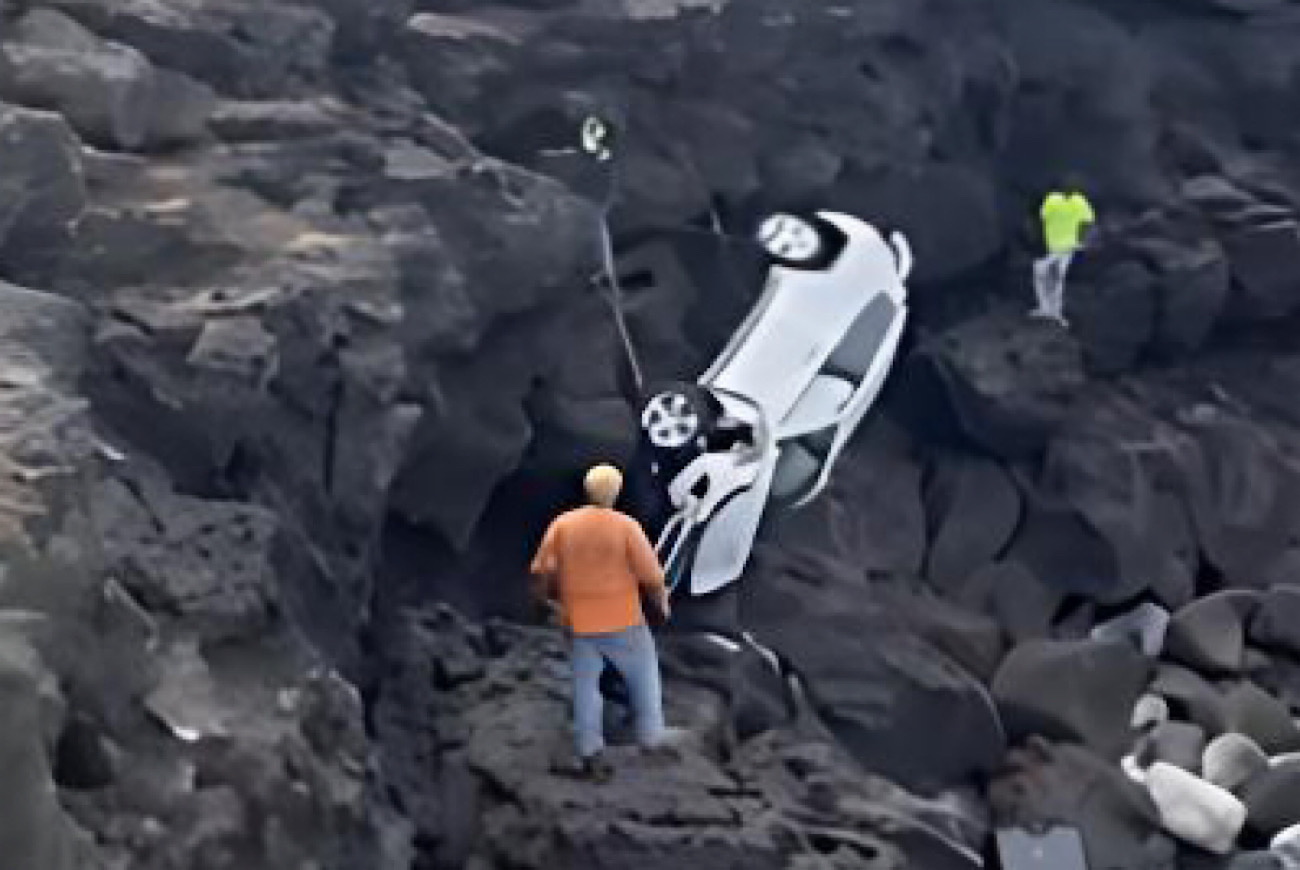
column 1277, row 621
column 1209, row 634
column 109, row 92
column 1008, row 382
column 42, row 186
column 972, row 508
column 346, row 356
column 1080, row 690
column 1061, row 783
column 1272, row 799
column 36, row 832
column 497, row 732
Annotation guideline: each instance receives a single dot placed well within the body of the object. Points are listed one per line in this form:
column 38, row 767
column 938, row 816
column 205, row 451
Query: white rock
column 1150, row 711
column 1284, row 758
column 1133, row 769
column 1230, row 759
column 1286, row 845
column 1194, row 810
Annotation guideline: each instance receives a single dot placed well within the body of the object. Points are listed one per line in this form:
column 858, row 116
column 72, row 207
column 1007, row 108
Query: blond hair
column 603, row 484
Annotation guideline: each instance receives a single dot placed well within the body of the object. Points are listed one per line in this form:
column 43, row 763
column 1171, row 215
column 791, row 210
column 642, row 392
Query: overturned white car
column 767, row 421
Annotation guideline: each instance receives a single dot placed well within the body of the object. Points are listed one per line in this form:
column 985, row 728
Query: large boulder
column 109, row 92
column 1273, row 799
column 1191, row 283
column 1241, row 485
column 238, row 48
column 36, row 833
column 1075, row 690
column 1006, row 382
column 1112, row 308
column 949, row 242
column 1209, row 634
column 1106, row 464
column 916, row 684
column 1023, row 606
column 1277, row 621
column 972, row 509
column 1260, row 716
column 1257, row 252
column 1045, row 784
column 42, row 188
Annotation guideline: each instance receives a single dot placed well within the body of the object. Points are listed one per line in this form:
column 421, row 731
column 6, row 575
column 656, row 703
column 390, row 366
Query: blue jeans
column 632, row 653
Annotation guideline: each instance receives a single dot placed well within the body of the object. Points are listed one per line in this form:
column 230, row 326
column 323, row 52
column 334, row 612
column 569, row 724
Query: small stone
column 1194, row 810
column 1150, row 711
column 1231, row 759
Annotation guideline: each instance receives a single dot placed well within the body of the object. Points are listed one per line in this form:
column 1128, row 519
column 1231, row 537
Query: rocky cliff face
column 299, row 339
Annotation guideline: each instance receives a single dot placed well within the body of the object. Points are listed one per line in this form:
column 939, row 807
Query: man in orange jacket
column 595, row 561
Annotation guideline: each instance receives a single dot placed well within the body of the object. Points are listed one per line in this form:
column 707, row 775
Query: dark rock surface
column 34, row 830
column 1191, row 698
column 303, row 268
column 1058, row 782
column 1176, row 743
column 1277, row 622
column 1262, row 717
column 485, row 764
column 1080, row 690
column 109, row 92
column 1231, row 760
column 1273, row 799
column 1008, row 382
column 1210, row 633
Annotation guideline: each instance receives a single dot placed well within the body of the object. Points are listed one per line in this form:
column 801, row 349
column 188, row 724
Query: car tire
column 796, row 241
column 675, row 416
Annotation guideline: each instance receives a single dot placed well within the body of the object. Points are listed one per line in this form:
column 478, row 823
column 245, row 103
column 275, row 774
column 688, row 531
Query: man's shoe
column 669, row 740
column 597, row 768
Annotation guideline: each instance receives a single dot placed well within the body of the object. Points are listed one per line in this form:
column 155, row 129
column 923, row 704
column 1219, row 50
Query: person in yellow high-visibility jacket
column 1067, row 222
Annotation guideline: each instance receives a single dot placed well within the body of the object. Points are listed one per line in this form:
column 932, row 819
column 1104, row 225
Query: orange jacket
column 596, row 561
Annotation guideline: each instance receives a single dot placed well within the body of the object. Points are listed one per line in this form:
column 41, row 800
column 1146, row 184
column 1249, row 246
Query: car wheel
column 793, row 241
column 670, row 420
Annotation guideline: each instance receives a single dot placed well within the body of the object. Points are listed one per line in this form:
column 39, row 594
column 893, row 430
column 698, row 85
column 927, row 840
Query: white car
column 766, row 422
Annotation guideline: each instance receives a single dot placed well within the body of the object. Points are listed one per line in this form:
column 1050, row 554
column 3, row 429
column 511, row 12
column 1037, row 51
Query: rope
column 614, row 296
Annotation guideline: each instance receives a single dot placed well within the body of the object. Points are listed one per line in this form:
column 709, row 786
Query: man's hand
column 661, row 602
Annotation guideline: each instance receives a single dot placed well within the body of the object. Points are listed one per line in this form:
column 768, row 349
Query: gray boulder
column 36, row 834
column 1277, row 622
column 1177, row 743
column 42, row 188
column 1232, row 759
column 1007, row 383
column 110, row 93
column 1191, row 698
column 1044, row 784
column 1273, row 799
column 972, row 508
column 1209, row 633
column 1079, row 690
column 1260, row 716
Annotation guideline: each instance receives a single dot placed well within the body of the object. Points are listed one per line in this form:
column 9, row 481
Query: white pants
column 1049, row 283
